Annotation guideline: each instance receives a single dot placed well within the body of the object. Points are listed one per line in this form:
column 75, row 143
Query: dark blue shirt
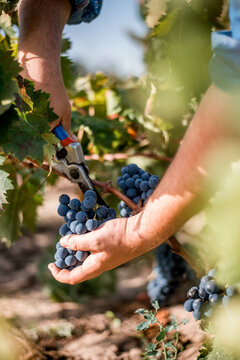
column 84, row 11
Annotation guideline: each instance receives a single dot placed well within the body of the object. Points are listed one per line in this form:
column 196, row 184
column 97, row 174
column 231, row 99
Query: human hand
column 114, row 243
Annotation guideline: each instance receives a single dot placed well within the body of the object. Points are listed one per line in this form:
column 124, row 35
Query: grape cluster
column 80, row 218
column 202, row 300
column 170, row 271
column 136, row 184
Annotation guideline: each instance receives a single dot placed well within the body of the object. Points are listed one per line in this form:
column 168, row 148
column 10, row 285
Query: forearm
column 179, row 193
column 41, row 23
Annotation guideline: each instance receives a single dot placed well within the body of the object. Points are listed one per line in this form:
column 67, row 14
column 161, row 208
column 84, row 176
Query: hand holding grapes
column 112, row 244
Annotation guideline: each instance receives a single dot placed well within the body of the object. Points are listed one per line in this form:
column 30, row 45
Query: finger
column 90, row 269
column 66, row 123
column 84, row 242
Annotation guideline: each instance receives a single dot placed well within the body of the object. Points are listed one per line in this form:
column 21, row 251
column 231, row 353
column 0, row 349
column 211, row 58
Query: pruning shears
column 70, row 161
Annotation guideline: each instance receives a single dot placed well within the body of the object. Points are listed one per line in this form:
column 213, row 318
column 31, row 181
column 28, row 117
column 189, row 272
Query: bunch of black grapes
column 171, row 271
column 80, row 218
column 203, row 299
column 136, row 184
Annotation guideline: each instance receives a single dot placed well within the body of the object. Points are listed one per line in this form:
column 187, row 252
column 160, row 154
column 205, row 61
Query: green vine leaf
column 9, row 69
column 5, row 184
column 26, row 125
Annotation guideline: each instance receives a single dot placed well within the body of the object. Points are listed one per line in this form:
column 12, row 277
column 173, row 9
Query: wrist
column 141, row 236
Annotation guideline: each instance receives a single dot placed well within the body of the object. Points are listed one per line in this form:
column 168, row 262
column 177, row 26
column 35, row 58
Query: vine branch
column 123, row 156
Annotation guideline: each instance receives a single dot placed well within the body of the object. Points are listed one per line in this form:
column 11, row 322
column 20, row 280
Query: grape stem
column 107, row 187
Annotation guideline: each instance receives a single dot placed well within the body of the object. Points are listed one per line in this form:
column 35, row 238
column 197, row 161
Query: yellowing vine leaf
column 49, row 148
column 156, row 9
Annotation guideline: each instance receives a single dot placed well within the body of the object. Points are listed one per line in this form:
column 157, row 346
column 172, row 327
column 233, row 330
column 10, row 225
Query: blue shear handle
column 61, row 134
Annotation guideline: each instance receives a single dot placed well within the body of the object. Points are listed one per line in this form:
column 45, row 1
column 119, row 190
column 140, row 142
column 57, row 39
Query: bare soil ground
column 100, row 329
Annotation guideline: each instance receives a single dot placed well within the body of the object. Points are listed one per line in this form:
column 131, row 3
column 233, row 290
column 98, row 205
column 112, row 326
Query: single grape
column 80, row 229
column 204, row 279
column 64, row 199
column 131, row 193
column 81, row 216
column 137, row 183
column 145, row 176
column 128, row 210
column 70, row 215
column 125, row 177
column 122, row 185
column 62, row 210
column 144, row 196
column 91, row 224
column 119, row 179
column 63, row 229
column 188, row 305
column 230, row 291
column 60, row 263
column 70, row 260
column 132, row 169
column 149, row 193
column 130, row 183
column 135, row 177
column 212, row 273
column 202, row 293
column 197, row 315
column 111, row 213
column 75, row 204
column 213, row 299
column 210, row 287
column 62, row 252
column 68, row 233
column 73, row 225
column 102, row 212
column 137, row 199
column 123, row 204
column 153, row 182
column 81, row 256
column 124, row 170
column 144, row 186
column 56, row 257
column 90, row 193
column 69, row 224
column 123, row 213
column 89, row 202
column 83, row 207
column 192, row 293
column 197, row 304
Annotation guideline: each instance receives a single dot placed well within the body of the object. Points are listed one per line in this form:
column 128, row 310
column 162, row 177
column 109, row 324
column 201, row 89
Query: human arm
column 40, row 24
column 174, row 201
